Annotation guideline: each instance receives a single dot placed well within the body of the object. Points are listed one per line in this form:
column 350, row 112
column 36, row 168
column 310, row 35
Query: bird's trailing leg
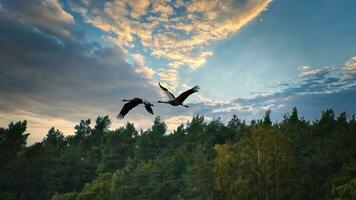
column 185, row 106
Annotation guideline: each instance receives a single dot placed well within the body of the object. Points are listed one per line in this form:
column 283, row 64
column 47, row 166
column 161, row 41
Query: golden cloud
column 351, row 63
column 180, row 38
column 145, row 71
column 175, row 121
column 139, row 59
column 38, row 125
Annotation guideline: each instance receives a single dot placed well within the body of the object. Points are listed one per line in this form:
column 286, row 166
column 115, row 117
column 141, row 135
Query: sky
column 62, row 61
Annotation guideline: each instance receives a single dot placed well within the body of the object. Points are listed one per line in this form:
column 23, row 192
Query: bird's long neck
column 126, row 100
column 163, row 102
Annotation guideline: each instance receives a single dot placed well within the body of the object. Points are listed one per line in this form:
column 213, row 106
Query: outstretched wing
column 126, row 108
column 185, row 94
column 168, row 93
column 149, row 108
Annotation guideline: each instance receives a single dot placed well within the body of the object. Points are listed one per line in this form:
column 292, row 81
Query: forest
column 293, row 158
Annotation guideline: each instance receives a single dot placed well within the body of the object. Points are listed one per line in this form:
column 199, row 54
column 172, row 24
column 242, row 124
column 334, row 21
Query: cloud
column 175, row 121
column 306, row 71
column 53, row 78
column 37, row 124
column 314, row 90
column 58, row 80
column 138, row 7
column 48, row 15
column 145, row 71
column 170, row 77
column 175, row 31
column 141, row 68
column 139, row 59
column 351, row 63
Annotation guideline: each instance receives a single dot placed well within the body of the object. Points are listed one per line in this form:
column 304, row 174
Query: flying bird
column 133, row 103
column 179, row 100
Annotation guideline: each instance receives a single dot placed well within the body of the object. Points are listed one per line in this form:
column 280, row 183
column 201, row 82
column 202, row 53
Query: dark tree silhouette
column 291, row 159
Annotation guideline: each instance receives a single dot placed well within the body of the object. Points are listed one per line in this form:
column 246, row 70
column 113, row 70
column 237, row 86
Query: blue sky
column 62, row 61
column 270, row 49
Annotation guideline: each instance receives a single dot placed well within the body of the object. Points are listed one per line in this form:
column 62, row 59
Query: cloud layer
column 45, row 14
column 177, row 32
column 51, row 76
column 52, row 79
column 314, row 90
column 351, row 63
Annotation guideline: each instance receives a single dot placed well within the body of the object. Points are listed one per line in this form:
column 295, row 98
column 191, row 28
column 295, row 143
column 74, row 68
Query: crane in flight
column 179, row 100
column 133, row 103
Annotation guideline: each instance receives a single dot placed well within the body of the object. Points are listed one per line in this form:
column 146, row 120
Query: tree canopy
column 202, row 160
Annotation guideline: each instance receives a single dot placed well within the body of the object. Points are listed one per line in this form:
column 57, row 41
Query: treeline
column 291, row 159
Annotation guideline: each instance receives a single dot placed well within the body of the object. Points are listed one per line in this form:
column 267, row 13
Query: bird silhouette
column 179, row 100
column 133, row 103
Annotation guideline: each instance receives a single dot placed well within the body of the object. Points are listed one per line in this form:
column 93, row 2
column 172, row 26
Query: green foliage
column 152, row 141
column 99, row 189
column 152, row 179
column 292, row 159
column 12, row 160
column 116, row 147
column 257, row 167
column 199, row 180
column 343, row 185
column 12, row 140
column 65, row 196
